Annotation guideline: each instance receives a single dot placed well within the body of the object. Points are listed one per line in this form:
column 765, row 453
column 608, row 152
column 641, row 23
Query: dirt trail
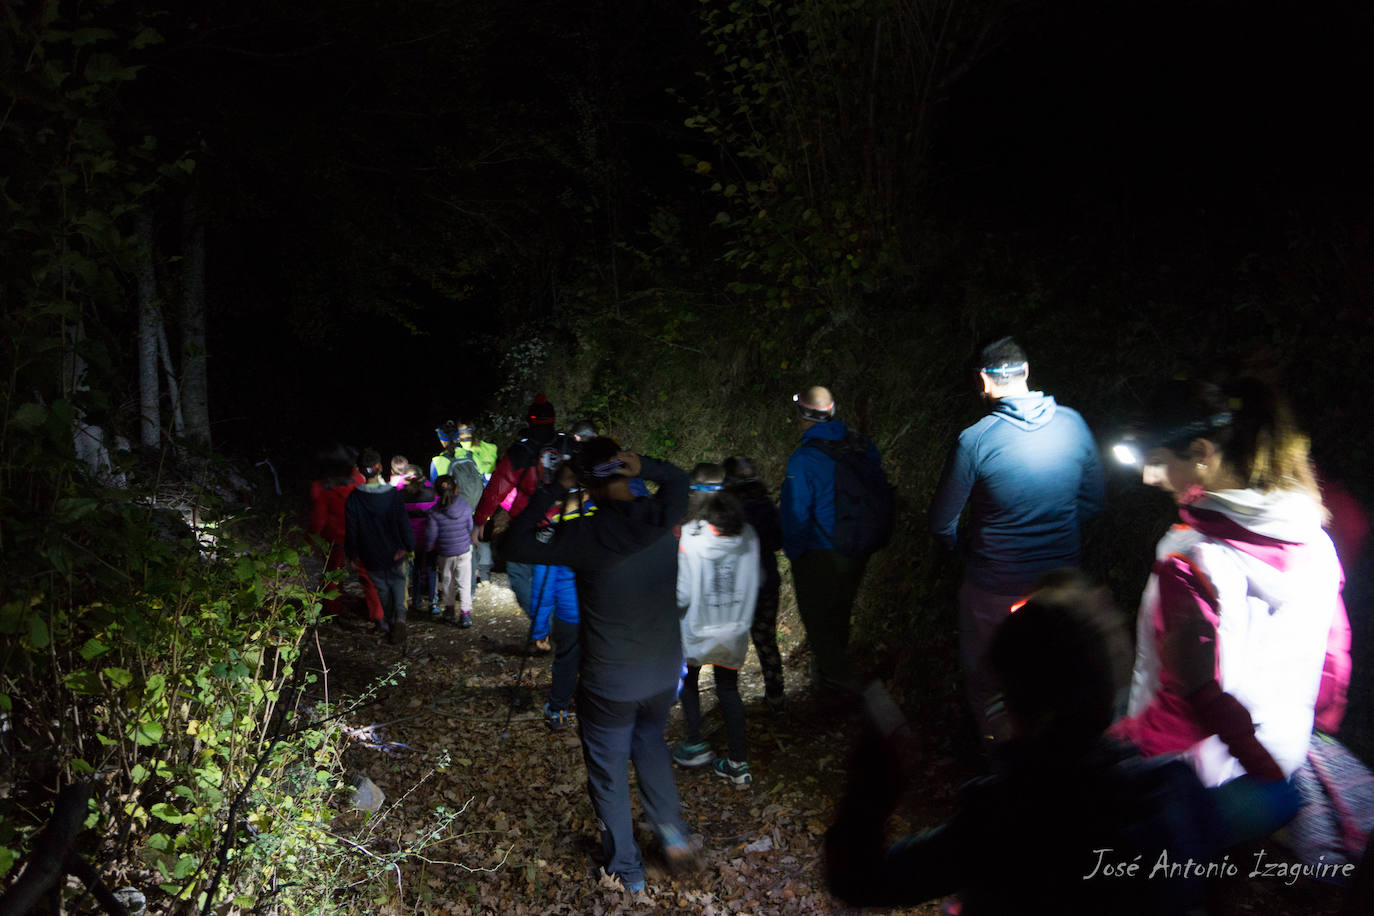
column 525, row 840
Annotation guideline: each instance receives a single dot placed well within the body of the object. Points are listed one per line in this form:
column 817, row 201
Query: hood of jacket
column 1252, row 517
column 1276, row 532
column 714, row 546
column 1026, row 411
column 455, row 510
column 830, row 429
column 379, row 496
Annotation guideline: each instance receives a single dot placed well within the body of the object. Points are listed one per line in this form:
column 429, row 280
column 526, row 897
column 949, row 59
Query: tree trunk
column 87, row 439
column 194, row 387
column 148, row 324
column 173, row 390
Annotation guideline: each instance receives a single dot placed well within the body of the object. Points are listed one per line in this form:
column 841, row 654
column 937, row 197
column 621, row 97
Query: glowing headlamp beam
column 1125, row 454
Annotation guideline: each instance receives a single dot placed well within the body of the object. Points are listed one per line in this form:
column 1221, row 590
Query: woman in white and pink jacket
column 1250, row 554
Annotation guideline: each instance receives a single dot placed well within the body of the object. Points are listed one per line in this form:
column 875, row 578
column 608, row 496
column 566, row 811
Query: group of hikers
column 638, row 574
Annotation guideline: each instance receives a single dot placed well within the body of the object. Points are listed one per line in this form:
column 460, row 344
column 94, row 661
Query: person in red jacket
column 531, row 462
column 328, row 494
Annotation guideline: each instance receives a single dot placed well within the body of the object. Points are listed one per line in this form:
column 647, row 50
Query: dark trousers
column 731, row 709
column 424, row 578
column 615, row 733
column 390, row 585
column 981, row 612
column 567, row 653
column 826, row 583
column 764, row 633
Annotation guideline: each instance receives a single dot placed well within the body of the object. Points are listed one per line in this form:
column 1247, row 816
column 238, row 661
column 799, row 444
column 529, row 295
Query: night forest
column 241, row 233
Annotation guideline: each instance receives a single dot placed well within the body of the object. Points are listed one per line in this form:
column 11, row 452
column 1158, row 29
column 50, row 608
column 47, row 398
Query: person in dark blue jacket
column 825, row 579
column 377, row 538
column 1030, row 474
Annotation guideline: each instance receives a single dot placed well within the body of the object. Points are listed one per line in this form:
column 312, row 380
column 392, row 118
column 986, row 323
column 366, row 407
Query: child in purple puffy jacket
column 448, row 537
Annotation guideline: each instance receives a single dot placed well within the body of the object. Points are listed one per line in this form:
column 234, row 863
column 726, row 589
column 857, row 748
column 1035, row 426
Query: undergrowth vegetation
column 165, row 664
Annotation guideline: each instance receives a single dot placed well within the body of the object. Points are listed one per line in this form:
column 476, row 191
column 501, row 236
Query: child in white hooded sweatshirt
column 717, row 587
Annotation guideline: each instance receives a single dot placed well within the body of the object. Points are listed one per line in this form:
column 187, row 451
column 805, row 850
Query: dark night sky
column 1137, row 131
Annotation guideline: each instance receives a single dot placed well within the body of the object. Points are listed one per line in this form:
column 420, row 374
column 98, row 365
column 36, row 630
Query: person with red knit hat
column 531, row 462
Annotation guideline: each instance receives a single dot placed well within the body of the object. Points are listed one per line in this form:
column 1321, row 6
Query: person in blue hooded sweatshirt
column 1030, row 475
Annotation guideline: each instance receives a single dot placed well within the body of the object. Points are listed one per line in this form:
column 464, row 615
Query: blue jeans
column 614, row 733
column 391, row 591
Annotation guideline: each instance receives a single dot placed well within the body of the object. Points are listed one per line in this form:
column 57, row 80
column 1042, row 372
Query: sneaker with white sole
column 738, row 773
column 693, row 755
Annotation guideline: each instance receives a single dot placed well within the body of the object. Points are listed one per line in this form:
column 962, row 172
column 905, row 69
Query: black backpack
column 863, row 497
column 546, row 457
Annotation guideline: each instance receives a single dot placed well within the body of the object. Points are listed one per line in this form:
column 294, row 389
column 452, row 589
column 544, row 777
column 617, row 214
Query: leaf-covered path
column 523, row 840
column 526, row 840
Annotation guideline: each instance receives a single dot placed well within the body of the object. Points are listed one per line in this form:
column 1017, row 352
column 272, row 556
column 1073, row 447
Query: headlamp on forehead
column 813, row 412
column 1007, row 370
column 1131, row 450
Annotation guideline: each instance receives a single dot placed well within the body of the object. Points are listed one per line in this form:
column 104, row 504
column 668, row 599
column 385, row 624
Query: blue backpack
column 863, row 497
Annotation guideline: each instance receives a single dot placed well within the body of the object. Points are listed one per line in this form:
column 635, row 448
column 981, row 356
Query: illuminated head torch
column 813, row 412
column 1007, row 370
column 1133, row 446
column 1129, row 452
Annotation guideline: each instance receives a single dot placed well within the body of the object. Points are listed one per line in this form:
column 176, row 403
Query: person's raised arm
column 673, row 484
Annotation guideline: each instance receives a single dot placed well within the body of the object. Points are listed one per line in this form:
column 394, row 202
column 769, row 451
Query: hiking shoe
column 777, row 705
column 398, row 633
column 448, row 616
column 693, row 755
column 738, row 773
column 678, row 852
column 381, row 628
column 556, row 719
column 465, row 621
column 635, row 887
